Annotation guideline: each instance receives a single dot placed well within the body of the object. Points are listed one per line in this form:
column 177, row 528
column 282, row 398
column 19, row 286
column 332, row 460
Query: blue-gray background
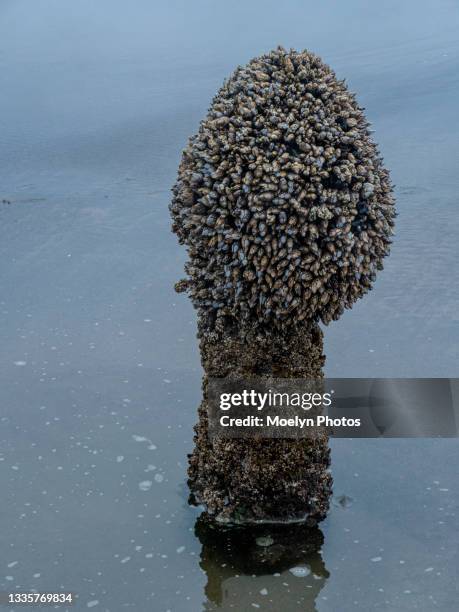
column 100, row 376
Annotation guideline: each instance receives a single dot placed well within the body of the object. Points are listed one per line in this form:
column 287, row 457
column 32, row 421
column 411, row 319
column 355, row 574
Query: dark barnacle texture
column 287, row 213
column 247, row 481
column 281, row 199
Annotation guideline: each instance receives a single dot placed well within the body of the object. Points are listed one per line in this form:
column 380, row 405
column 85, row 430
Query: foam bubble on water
column 264, row 541
column 120, row 458
column 159, row 477
column 139, row 438
column 92, row 603
column 180, row 549
column 263, row 591
column 376, row 559
column 145, row 485
column 12, row 564
column 20, row 363
column 301, row 571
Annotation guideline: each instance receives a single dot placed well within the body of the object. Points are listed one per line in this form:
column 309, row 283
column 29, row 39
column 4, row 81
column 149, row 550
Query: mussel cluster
column 281, row 198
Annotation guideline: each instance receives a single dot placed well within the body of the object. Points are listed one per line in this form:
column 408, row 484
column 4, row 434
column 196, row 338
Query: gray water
column 100, row 375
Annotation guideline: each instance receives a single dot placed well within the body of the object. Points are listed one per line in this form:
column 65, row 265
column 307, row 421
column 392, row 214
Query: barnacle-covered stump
column 286, row 210
column 240, row 480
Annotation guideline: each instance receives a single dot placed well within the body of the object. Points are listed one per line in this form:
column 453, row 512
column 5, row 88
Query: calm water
column 100, row 375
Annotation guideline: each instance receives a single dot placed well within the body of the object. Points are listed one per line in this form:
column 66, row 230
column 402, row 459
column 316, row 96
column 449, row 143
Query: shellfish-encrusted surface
column 249, row 480
column 281, row 197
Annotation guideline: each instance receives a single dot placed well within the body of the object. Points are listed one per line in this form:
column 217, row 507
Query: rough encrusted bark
column 248, row 480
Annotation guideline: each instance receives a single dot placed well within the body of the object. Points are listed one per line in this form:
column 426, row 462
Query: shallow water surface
column 100, row 374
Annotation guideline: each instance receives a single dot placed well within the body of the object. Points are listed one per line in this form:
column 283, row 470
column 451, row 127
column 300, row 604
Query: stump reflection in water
column 267, row 566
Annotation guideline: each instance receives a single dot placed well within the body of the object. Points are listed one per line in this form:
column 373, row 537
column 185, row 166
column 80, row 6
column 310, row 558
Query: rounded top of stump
column 281, row 197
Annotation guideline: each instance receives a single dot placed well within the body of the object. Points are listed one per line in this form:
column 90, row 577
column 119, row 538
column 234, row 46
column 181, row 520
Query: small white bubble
column 300, row 571
column 145, row 485
column 139, row 438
